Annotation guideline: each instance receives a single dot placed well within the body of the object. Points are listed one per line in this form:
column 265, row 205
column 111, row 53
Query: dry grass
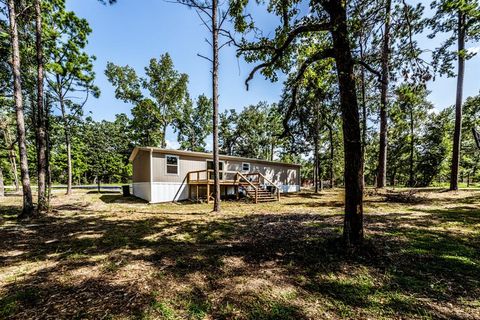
column 107, row 257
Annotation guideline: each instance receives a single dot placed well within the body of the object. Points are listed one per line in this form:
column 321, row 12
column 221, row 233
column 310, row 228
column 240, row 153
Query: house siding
column 141, row 167
column 279, row 174
column 186, row 164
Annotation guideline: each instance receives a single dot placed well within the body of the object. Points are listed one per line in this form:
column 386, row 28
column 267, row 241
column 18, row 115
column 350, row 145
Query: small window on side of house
column 172, row 164
column 245, row 166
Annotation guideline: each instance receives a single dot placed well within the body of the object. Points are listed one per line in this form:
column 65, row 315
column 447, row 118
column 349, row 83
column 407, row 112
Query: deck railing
column 206, row 176
column 260, row 179
column 236, row 178
column 242, row 180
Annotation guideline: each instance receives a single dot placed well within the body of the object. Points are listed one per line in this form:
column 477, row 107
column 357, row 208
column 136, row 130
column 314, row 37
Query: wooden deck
column 252, row 183
column 211, row 181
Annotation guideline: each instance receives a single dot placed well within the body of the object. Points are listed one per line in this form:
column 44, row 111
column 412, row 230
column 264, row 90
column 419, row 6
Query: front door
column 221, row 165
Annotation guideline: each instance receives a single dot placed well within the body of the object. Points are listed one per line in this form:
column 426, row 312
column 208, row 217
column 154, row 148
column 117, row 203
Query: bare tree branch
column 229, row 42
column 227, row 34
column 203, row 21
column 192, row 4
column 320, row 55
column 204, row 57
column 224, row 16
column 369, row 68
column 278, row 52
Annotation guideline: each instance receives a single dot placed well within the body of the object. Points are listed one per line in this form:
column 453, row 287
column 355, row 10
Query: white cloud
column 209, row 145
column 172, row 144
column 474, row 50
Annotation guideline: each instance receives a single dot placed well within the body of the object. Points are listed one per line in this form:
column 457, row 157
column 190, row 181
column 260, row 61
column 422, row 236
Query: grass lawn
column 101, row 256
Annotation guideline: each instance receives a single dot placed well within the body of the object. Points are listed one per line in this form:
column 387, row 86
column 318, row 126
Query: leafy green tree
column 107, row 148
column 193, row 124
column 69, row 69
column 414, row 106
column 128, row 88
column 255, row 132
column 278, row 52
column 258, row 128
column 167, row 94
column 41, row 124
column 168, row 87
column 384, row 32
column 227, row 136
column 435, row 146
column 314, row 112
column 470, row 151
column 466, row 13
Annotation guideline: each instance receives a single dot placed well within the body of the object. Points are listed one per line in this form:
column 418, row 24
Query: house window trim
column 220, row 171
column 166, row 165
column 249, row 166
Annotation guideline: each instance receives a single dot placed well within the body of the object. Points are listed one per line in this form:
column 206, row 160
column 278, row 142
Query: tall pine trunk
column 69, row 162
column 12, row 157
column 47, row 155
column 318, row 180
column 364, row 106
column 382, row 156
column 27, row 211
column 316, row 176
column 457, row 135
column 2, row 184
column 411, row 179
column 164, row 136
column 68, row 144
column 216, row 173
column 353, row 172
column 332, row 154
column 41, row 125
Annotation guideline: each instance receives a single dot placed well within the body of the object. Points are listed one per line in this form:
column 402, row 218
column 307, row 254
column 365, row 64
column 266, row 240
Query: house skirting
column 158, row 192
column 168, row 191
column 142, row 190
column 287, row 188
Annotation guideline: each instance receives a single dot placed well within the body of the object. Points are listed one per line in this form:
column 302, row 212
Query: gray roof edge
column 205, row 155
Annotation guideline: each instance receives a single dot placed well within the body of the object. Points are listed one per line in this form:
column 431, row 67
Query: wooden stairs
column 263, row 195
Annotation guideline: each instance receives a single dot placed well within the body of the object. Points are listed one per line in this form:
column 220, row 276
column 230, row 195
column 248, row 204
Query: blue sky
column 133, row 31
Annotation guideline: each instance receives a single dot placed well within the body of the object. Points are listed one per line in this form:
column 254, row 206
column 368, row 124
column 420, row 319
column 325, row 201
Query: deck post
column 151, row 176
column 235, row 187
column 197, row 193
column 256, row 195
column 189, row 187
column 208, row 192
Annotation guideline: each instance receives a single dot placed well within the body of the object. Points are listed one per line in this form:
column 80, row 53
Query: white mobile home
column 162, row 175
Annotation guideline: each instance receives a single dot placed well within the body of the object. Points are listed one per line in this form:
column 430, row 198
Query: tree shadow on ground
column 237, row 265
column 109, row 197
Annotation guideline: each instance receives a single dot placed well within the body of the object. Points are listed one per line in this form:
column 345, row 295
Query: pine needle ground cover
column 103, row 256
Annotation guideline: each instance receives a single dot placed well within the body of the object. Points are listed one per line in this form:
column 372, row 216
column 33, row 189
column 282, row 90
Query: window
column 220, row 167
column 245, row 166
column 172, row 164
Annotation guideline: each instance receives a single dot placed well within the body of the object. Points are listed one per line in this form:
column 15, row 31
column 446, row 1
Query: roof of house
column 204, row 155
